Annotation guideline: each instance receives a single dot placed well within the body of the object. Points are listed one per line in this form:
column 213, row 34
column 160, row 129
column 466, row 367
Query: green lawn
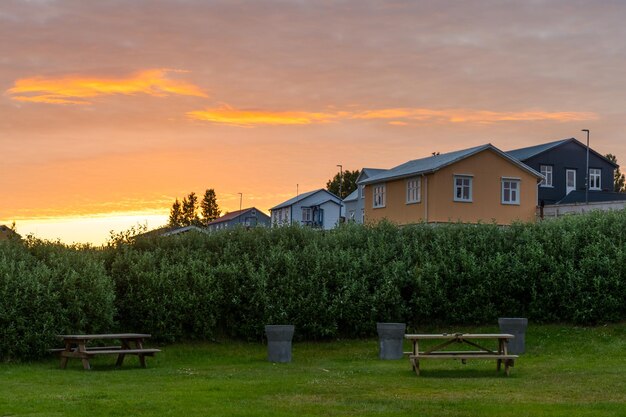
column 567, row 371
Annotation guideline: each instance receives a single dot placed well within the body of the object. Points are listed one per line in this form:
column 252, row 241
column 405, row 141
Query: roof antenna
column 297, row 192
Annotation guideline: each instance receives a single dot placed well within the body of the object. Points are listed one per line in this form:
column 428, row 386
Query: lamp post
column 587, row 170
column 340, row 178
column 240, row 198
column 340, row 181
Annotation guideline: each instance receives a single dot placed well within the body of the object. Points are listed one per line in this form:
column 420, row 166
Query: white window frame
column 362, row 191
column 469, row 186
column 413, row 190
column 306, row 214
column 513, row 192
column 548, row 172
column 378, row 195
column 595, row 179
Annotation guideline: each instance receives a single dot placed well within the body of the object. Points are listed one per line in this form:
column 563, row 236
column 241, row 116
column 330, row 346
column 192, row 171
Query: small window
column 379, row 196
column 595, row 176
column 510, row 191
column 306, row 215
column 463, row 188
column 546, row 171
column 413, row 190
column 362, row 191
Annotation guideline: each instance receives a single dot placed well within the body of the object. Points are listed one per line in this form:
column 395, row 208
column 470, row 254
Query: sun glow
column 75, row 90
column 95, row 229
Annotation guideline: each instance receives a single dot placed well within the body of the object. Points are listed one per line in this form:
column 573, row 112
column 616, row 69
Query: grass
column 567, row 371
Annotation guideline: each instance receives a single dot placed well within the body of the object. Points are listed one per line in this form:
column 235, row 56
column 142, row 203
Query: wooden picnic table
column 500, row 354
column 76, row 347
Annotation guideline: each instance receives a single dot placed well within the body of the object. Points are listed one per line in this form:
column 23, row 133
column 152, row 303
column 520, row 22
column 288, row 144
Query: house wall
column 281, row 217
column 331, row 215
column 487, row 168
column 570, row 155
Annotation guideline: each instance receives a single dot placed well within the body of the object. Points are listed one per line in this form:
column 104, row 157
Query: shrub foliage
column 329, row 284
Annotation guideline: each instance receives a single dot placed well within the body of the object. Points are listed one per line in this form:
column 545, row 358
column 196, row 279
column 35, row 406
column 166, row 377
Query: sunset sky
column 109, row 110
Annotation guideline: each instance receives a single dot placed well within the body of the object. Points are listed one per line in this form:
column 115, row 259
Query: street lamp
column 340, row 178
column 587, row 171
column 340, row 181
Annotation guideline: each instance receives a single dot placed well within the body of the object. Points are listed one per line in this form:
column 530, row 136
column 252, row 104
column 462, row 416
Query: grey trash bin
column 390, row 337
column 516, row 327
column 279, row 338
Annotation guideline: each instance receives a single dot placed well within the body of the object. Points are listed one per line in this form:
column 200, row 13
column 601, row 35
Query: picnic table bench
column 500, row 354
column 76, row 347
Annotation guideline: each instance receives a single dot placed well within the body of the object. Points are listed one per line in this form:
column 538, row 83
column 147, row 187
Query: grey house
column 355, row 201
column 563, row 164
column 320, row 209
column 249, row 217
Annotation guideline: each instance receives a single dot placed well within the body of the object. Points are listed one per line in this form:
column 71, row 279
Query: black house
column 563, row 163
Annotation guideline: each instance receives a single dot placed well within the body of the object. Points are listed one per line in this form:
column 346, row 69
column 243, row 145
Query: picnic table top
column 460, row 335
column 104, row 336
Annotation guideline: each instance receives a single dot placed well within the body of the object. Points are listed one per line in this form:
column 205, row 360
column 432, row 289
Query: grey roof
column 353, row 196
column 302, row 196
column 529, row 152
column 578, row 196
column 526, row 153
column 436, row 162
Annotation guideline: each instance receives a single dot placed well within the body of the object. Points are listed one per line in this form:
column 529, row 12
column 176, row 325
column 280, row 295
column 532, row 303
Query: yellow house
column 480, row 184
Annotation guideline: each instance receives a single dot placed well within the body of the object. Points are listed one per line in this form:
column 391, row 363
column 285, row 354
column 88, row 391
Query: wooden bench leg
column 142, row 360
column 499, row 364
column 120, row 359
column 507, row 366
column 64, row 362
column 86, row 364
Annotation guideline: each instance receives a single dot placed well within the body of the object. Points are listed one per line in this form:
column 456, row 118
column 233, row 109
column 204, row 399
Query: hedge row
column 329, row 284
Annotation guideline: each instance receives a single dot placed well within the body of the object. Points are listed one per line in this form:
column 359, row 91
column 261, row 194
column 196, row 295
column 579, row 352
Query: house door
column 570, row 180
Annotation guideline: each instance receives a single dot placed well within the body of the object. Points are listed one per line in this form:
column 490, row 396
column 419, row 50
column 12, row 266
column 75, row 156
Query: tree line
column 190, row 212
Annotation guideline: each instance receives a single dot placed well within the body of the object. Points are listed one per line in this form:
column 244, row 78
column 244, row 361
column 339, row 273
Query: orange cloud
column 247, row 118
column 74, row 90
column 470, row 116
column 394, row 116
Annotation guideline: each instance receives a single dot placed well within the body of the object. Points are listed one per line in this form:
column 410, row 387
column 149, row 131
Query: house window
column 546, row 171
column 306, row 215
column 510, row 191
column 362, row 191
column 379, row 196
column 463, row 188
column 413, row 190
column 595, row 176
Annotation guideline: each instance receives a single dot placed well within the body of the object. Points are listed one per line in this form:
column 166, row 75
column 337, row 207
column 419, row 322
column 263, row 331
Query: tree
column 348, row 183
column 619, row 180
column 190, row 210
column 176, row 215
column 209, row 208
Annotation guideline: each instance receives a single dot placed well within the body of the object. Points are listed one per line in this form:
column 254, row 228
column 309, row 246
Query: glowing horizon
column 149, row 103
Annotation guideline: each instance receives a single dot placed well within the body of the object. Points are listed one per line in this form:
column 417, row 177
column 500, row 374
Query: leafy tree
column 619, row 181
column 209, row 208
column 190, row 210
column 176, row 214
column 348, row 183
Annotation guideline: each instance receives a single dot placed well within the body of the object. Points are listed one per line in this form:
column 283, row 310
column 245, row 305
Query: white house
column 354, row 203
column 319, row 209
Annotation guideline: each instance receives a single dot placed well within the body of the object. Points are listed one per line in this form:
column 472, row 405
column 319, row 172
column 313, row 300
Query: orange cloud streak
column 395, row 116
column 471, row 116
column 247, row 118
column 73, row 90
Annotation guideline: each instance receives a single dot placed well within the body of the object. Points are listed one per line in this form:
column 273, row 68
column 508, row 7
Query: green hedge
column 48, row 289
column 329, row 284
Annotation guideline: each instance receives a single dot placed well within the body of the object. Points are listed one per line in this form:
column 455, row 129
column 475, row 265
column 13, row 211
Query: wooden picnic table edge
column 460, row 335
column 104, row 336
